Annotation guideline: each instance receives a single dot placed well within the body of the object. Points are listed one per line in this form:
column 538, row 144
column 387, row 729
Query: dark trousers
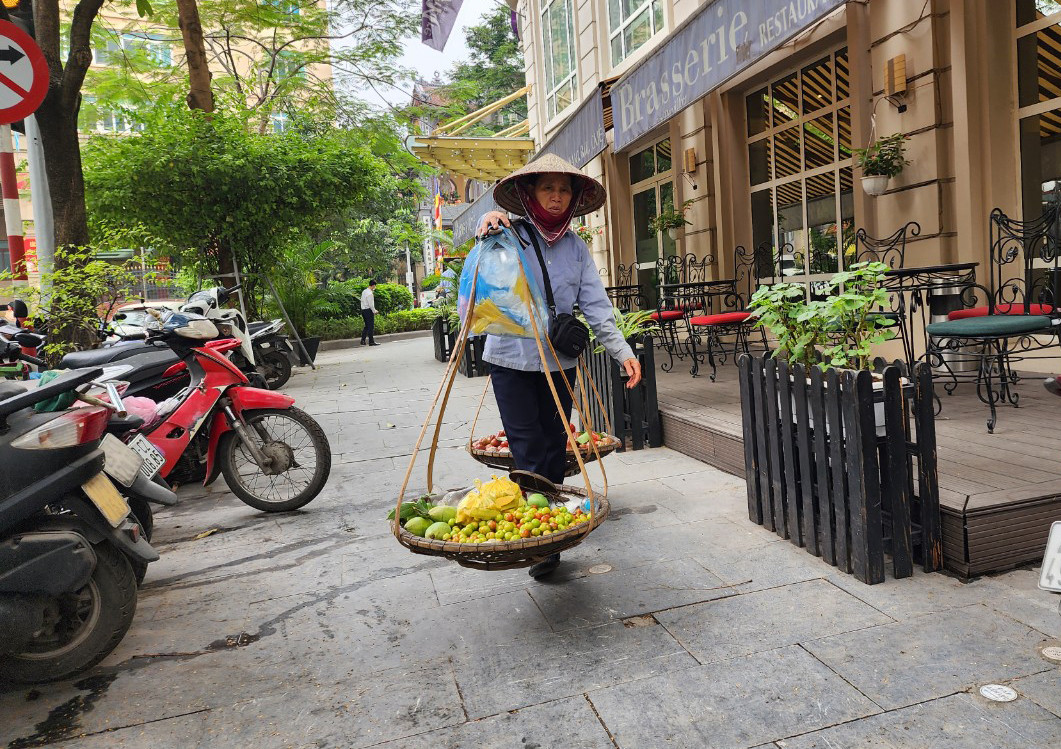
column 536, row 432
column 369, row 331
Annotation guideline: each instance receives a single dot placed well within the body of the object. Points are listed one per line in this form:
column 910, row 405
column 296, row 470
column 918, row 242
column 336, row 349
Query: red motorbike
column 274, row 456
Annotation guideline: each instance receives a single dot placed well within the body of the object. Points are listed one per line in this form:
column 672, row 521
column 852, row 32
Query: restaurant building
column 751, row 109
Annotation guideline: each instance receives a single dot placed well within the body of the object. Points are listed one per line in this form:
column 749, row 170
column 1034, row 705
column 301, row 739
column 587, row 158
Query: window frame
column 624, row 23
column 571, row 78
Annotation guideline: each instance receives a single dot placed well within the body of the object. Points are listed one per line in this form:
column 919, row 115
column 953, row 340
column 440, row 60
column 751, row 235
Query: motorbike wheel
column 276, row 369
column 83, row 627
column 146, row 518
column 290, row 437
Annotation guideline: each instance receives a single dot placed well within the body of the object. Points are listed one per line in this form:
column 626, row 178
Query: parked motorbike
column 29, row 341
column 68, row 542
column 272, row 351
column 274, row 457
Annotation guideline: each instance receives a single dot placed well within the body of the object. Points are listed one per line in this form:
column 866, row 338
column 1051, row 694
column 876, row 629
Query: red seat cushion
column 667, row 315
column 1000, row 309
column 725, row 318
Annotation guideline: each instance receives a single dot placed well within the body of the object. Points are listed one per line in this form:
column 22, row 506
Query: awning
column 485, row 159
column 718, row 42
column 578, row 140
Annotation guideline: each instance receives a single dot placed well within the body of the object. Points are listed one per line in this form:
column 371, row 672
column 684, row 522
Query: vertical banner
column 429, row 248
column 436, row 22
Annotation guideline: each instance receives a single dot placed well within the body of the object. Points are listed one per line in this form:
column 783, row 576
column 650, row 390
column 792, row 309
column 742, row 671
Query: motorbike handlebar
column 33, row 360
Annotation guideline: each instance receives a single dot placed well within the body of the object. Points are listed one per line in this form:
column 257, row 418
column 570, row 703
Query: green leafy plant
column 430, row 282
column 588, row 233
column 298, row 287
column 854, row 323
column 670, row 218
column 631, row 325
column 884, row 157
column 838, row 331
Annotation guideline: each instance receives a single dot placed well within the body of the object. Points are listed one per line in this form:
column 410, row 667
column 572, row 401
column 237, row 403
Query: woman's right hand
column 492, row 222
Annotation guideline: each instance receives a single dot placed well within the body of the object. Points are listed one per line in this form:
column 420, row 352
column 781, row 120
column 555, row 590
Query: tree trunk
column 199, row 94
column 66, row 183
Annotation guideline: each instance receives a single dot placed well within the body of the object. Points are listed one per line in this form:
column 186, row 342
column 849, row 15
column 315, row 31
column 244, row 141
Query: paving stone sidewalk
column 678, row 623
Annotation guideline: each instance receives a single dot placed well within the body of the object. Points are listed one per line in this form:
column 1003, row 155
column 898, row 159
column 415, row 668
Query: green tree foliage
column 210, row 188
column 494, row 69
column 276, row 58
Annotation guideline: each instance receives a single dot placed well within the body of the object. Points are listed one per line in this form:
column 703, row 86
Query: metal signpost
column 23, row 86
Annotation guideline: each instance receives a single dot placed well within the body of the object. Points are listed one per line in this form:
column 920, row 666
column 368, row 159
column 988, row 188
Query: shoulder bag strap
column 541, row 262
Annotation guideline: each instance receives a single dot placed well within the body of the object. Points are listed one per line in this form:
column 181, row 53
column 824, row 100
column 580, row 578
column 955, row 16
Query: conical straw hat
column 506, row 196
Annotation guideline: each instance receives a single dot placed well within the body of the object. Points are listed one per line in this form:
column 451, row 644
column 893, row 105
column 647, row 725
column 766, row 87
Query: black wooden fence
column 825, row 473
column 472, row 363
column 633, row 413
column 444, row 338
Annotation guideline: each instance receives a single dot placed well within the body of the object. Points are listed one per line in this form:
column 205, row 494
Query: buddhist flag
column 436, row 21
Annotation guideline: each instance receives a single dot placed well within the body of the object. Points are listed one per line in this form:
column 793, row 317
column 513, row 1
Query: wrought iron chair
column 999, row 323
column 891, row 251
column 679, row 278
column 626, row 295
column 725, row 312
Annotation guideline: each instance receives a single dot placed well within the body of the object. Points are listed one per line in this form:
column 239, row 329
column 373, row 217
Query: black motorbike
column 69, row 545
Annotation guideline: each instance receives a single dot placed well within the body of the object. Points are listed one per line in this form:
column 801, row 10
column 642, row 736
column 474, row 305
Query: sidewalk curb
column 342, row 343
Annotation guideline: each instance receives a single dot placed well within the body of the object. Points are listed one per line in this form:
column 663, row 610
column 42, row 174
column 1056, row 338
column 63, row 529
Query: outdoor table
column 918, row 295
column 705, row 297
column 626, row 297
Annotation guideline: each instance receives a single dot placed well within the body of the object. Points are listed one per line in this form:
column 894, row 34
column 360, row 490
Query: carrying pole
column 287, row 319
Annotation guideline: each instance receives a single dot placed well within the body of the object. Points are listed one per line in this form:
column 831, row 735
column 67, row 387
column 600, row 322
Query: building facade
column 760, row 104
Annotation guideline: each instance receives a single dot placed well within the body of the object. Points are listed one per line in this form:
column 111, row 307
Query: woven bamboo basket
column 505, row 462
column 501, row 555
column 506, row 555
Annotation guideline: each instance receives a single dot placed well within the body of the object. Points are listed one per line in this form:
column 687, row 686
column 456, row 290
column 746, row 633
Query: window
column 561, row 80
column 288, row 7
column 652, row 188
column 800, row 169
column 155, row 47
column 280, row 122
column 289, row 65
column 631, row 23
column 1039, row 102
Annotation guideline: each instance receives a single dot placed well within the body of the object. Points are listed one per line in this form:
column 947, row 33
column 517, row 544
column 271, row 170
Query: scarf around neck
column 549, row 226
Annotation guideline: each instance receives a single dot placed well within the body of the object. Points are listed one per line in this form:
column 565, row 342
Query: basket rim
column 604, row 448
column 497, row 550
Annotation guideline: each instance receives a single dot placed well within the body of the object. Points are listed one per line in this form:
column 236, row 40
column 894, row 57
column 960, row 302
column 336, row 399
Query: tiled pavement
column 705, row 630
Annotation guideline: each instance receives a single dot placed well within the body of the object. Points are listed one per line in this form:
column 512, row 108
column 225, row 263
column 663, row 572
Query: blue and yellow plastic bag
column 506, row 292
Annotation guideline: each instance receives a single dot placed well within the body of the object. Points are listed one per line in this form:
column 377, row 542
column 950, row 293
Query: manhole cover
column 600, row 569
column 1052, row 653
column 998, row 692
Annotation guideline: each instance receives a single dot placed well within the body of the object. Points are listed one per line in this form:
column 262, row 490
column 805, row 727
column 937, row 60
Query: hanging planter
column 875, row 184
column 671, row 220
column 881, row 160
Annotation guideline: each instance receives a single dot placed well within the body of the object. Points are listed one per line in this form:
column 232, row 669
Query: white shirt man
column 368, row 314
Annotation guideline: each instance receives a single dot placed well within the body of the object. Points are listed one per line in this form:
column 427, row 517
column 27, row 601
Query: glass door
column 653, row 190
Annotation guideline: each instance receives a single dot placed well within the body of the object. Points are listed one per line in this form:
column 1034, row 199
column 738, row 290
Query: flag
column 513, row 19
column 438, row 218
column 436, row 21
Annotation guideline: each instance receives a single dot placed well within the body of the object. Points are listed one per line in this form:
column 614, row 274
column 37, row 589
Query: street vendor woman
column 548, row 193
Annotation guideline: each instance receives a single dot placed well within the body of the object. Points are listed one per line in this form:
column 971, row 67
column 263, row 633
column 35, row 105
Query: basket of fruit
column 499, row 524
column 493, row 450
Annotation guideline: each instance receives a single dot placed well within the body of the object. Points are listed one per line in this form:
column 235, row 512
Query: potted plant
column 588, row 233
column 671, row 220
column 881, row 160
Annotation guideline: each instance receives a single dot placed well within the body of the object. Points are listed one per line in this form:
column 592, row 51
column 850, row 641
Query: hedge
column 351, row 327
column 346, row 295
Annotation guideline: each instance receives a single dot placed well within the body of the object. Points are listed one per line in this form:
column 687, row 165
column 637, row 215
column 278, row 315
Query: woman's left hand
column 633, row 371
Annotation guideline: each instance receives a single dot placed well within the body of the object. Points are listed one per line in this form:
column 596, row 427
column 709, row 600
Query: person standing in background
column 368, row 314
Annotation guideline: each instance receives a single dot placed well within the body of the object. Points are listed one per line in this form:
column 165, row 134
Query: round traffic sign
column 23, row 74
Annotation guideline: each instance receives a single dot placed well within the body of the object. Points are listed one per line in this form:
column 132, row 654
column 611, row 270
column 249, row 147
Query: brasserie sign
column 721, row 40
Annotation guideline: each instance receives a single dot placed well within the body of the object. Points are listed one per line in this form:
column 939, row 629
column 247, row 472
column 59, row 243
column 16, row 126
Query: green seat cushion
column 990, row 326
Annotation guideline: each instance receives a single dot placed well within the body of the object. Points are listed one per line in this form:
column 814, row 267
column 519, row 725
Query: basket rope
column 445, row 388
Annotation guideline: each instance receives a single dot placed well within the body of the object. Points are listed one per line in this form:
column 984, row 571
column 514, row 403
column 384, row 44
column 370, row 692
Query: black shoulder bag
column 567, row 334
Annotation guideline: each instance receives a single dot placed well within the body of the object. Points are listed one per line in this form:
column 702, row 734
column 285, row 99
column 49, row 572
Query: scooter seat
column 99, row 356
column 9, row 389
column 254, row 327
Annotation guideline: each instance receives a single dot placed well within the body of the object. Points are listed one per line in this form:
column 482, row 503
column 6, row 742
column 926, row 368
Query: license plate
column 1050, row 577
column 123, row 463
column 153, row 457
column 106, row 498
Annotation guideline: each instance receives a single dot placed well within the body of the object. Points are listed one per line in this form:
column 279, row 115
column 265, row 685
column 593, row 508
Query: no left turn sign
column 23, row 74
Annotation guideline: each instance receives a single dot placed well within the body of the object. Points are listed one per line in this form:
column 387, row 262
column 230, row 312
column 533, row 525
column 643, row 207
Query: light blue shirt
column 574, row 280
